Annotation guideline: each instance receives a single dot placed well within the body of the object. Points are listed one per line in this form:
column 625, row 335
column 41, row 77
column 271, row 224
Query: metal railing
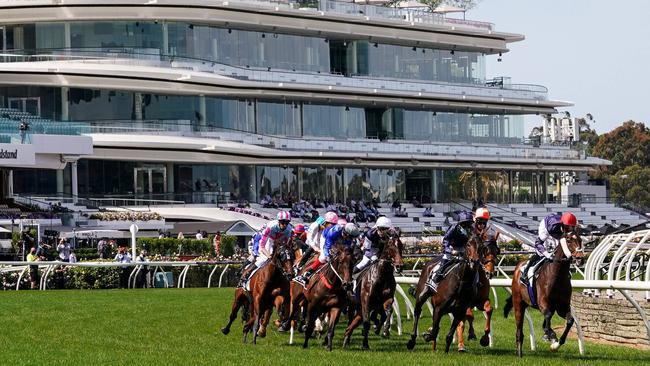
column 152, row 57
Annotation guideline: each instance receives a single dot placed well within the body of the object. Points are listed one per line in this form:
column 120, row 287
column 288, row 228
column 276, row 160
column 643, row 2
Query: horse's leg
column 459, row 317
column 264, row 322
column 236, row 304
column 549, row 334
column 469, row 316
column 435, row 327
column 569, row 323
column 365, row 314
column 257, row 316
column 459, row 333
column 388, row 313
column 351, row 327
column 311, row 320
column 377, row 321
column 334, row 318
column 520, row 311
column 487, row 308
column 421, row 298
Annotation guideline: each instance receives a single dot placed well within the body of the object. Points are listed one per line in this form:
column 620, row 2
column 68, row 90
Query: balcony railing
column 152, row 57
column 447, row 146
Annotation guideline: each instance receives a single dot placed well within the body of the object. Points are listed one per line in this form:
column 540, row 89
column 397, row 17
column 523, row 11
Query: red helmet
column 482, row 213
column 569, row 219
column 299, row 229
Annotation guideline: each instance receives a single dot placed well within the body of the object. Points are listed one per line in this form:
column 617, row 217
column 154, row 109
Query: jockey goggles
column 480, row 221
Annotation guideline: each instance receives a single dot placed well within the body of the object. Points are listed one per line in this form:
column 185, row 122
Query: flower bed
column 126, row 216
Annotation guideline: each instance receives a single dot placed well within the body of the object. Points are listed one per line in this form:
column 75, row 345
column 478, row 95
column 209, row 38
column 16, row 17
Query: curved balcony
column 152, row 57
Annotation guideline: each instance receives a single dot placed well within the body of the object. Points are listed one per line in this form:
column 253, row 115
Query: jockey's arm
column 264, row 243
column 542, row 236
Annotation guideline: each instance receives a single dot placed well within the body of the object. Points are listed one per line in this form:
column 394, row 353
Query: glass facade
column 126, row 109
column 251, row 49
column 206, row 183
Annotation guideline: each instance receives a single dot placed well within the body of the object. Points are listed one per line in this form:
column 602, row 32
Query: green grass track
column 180, row 327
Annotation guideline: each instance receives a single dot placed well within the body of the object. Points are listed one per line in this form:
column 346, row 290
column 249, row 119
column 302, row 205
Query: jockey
column 299, row 235
column 254, row 247
column 551, row 230
column 454, row 243
column 372, row 243
column 314, row 234
column 332, row 235
column 276, row 230
column 481, row 217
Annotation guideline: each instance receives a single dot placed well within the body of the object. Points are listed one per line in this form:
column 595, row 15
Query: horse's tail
column 507, row 307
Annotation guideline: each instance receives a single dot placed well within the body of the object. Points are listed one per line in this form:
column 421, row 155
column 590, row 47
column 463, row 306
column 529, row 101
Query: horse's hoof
column 546, row 338
column 555, row 346
column 225, row 330
column 365, row 347
column 261, row 333
column 485, row 341
column 471, row 336
column 346, row 341
column 385, row 335
column 426, row 337
column 461, row 349
column 411, row 344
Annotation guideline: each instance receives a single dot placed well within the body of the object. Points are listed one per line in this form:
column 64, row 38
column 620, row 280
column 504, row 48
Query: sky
column 595, row 54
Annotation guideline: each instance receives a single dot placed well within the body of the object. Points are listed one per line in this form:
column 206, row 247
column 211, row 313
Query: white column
column 67, row 38
column 65, row 103
column 170, row 177
column 10, row 183
column 165, row 38
column 202, row 111
column 75, row 185
column 59, row 181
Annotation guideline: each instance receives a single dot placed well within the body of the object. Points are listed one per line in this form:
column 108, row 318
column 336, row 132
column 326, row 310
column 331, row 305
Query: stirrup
column 300, row 279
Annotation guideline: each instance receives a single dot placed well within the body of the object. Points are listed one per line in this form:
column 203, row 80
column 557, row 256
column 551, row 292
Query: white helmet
column 352, row 230
column 384, row 222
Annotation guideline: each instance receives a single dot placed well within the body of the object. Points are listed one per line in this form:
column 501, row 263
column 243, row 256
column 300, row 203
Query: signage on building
column 17, row 155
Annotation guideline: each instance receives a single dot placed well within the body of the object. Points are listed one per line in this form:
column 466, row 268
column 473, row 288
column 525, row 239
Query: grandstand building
column 217, row 101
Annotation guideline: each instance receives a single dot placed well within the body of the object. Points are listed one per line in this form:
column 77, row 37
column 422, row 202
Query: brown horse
column 488, row 252
column 269, row 286
column 325, row 293
column 454, row 294
column 243, row 300
column 377, row 289
column 553, row 292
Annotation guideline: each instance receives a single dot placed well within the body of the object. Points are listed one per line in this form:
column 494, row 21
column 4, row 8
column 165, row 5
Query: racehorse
column 268, row 286
column 552, row 290
column 376, row 289
column 325, row 292
column 488, row 252
column 243, row 300
column 454, row 294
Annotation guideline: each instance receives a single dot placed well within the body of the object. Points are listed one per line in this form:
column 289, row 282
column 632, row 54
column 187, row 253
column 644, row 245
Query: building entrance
column 150, row 180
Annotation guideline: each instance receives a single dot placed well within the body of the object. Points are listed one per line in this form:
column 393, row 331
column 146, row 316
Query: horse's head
column 342, row 262
column 488, row 252
column 570, row 246
column 393, row 252
column 283, row 257
column 472, row 249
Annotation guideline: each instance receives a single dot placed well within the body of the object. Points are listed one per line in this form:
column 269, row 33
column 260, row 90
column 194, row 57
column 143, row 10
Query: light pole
column 134, row 230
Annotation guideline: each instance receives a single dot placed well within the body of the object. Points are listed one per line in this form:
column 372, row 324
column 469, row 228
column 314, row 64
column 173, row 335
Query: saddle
column 246, row 285
column 533, row 271
column 434, row 271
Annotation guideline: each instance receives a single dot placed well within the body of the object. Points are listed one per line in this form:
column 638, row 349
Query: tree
column 631, row 185
column 625, row 146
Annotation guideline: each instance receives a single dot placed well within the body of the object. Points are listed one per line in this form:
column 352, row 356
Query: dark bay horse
column 269, row 286
column 325, row 293
column 376, row 287
column 454, row 294
column 553, row 292
column 488, row 251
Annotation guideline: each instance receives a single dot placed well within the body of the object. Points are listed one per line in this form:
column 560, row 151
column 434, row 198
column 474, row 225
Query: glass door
column 150, row 181
column 30, row 105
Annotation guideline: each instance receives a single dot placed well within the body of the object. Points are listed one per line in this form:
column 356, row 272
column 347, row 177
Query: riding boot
column 523, row 277
column 305, row 257
column 246, row 273
column 304, row 278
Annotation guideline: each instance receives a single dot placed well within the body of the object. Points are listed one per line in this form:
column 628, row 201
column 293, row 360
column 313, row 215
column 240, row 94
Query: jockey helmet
column 284, row 217
column 465, row 217
column 320, row 221
column 569, row 219
column 352, row 230
column 299, row 229
column 342, row 222
column 384, row 222
column 331, row 217
column 482, row 213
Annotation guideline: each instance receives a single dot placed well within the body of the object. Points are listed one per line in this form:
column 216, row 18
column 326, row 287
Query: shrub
column 228, row 243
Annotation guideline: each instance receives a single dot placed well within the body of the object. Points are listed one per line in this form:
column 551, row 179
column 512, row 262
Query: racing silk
column 256, row 244
column 332, row 235
column 273, row 233
column 314, row 235
column 372, row 241
column 455, row 238
column 551, row 227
